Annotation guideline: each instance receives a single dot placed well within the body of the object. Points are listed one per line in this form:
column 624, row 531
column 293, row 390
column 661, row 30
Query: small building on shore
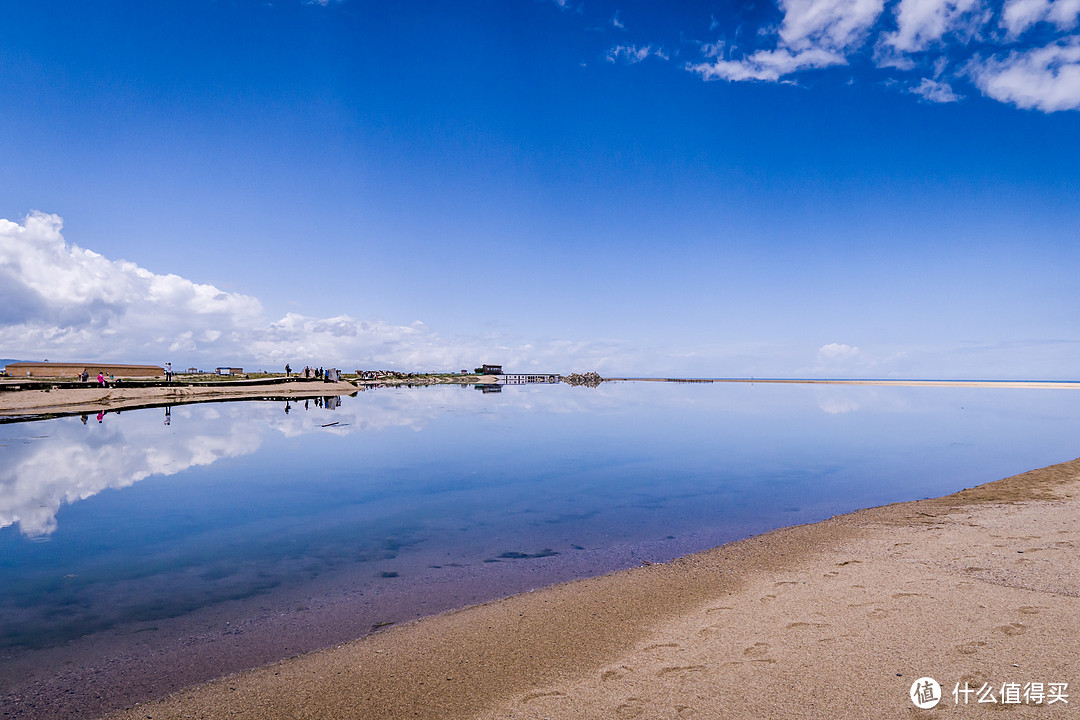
column 230, row 371
column 72, row 370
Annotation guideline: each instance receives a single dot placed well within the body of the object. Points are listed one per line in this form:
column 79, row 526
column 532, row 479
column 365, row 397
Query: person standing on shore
column 168, row 372
column 287, row 369
column 101, row 381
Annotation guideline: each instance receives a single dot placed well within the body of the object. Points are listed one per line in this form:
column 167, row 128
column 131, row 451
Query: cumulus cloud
column 1023, row 52
column 60, row 301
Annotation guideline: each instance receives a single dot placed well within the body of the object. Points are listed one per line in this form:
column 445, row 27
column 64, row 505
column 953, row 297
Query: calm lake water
column 150, row 516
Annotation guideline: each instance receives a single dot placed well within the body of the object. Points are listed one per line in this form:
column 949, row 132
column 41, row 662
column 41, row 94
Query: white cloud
column 814, row 34
column 834, row 352
column 936, row 38
column 1046, row 78
column 920, row 23
column 616, row 23
column 60, row 301
column 1020, row 15
column 768, row 65
column 828, row 24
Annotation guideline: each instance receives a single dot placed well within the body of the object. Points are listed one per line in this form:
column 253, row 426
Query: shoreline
column 841, row 616
column 41, row 399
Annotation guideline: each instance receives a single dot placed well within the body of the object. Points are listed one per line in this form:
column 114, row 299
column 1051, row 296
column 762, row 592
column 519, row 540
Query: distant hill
column 4, row 362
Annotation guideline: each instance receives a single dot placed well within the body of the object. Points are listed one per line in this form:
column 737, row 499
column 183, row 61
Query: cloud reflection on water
column 76, row 461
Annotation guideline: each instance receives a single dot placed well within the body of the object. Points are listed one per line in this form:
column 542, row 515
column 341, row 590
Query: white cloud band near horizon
column 63, row 302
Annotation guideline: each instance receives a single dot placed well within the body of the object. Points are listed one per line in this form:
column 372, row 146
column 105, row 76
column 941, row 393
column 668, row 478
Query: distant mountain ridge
column 3, row 362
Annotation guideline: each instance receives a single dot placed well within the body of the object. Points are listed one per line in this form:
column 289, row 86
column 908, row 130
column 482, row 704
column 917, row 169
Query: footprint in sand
column 542, row 694
column 720, row 608
column 681, row 669
column 758, row 649
column 1029, row 610
column 1012, row 629
column 657, row 646
column 632, row 708
column 970, row 648
column 615, row 673
column 710, row 630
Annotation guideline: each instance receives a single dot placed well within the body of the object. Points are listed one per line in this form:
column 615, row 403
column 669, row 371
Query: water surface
column 147, row 524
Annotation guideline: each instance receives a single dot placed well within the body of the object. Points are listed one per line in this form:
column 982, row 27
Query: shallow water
column 152, row 515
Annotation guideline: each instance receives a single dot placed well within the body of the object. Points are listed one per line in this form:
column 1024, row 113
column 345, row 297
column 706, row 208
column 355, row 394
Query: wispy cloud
column 813, row 34
column 934, row 91
column 635, row 53
column 1025, row 52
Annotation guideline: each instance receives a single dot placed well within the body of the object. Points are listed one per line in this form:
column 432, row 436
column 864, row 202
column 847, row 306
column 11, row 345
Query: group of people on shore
column 310, row 372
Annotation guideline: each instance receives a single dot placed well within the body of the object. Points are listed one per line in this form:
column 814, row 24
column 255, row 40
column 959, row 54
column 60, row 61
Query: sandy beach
column 94, row 399
column 977, row 590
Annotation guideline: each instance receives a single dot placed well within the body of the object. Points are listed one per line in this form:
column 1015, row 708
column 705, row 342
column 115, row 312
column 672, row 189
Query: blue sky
column 821, row 187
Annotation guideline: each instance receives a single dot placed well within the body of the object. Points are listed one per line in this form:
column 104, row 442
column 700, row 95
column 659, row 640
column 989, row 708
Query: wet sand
column 834, row 619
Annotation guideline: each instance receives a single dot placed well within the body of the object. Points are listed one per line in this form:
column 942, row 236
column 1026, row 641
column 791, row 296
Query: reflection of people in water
column 287, row 408
column 305, row 404
column 100, row 415
column 168, row 414
column 83, row 418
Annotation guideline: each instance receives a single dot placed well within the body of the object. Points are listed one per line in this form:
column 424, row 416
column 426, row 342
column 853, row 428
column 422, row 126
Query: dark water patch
column 517, row 555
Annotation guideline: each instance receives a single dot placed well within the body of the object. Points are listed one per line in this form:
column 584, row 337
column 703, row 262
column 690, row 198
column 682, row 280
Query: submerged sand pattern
column 835, row 619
